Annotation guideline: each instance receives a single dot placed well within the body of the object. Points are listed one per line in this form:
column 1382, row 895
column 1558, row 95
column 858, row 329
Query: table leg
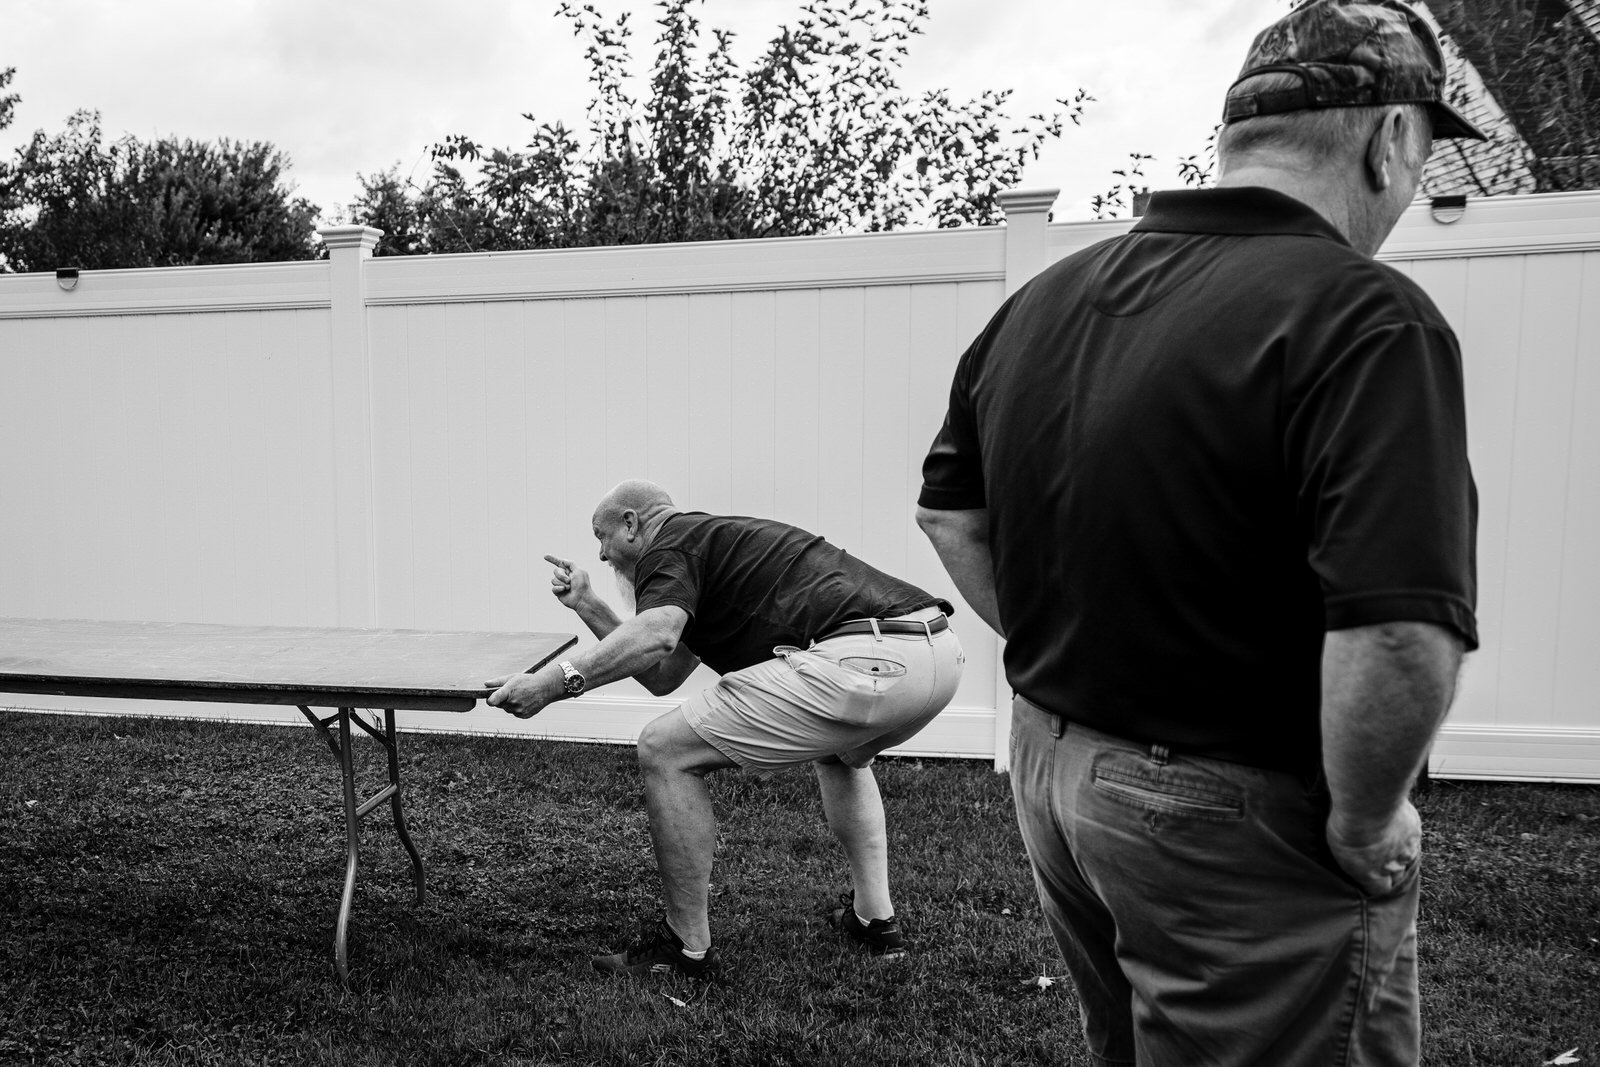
column 392, row 743
column 352, row 835
column 354, row 813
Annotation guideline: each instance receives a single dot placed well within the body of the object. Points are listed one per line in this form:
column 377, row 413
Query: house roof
column 1588, row 12
column 1495, row 167
column 1532, row 146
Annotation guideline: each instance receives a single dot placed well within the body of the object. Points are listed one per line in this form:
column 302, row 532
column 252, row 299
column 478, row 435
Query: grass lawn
column 168, row 889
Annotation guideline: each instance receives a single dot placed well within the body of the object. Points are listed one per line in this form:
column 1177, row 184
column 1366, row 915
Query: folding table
column 303, row 666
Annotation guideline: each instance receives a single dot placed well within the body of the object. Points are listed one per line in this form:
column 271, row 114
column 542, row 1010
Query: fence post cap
column 1019, row 201
column 363, row 237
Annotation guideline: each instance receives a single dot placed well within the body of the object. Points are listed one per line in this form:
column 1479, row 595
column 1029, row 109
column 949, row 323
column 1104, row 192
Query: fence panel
column 167, row 467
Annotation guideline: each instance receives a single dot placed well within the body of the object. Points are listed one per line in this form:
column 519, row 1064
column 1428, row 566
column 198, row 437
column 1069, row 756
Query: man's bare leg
column 674, row 761
column 854, row 808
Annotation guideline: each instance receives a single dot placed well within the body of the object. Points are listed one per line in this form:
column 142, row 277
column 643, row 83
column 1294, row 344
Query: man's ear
column 630, row 522
column 1384, row 148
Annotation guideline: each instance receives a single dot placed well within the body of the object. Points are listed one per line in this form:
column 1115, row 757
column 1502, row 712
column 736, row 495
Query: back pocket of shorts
column 850, row 690
column 876, row 668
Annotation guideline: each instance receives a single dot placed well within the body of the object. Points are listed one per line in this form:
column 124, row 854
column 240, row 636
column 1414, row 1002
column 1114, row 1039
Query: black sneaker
column 657, row 951
column 881, row 937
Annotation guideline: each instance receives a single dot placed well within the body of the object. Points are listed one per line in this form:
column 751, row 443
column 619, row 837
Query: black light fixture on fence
column 1448, row 209
column 67, row 278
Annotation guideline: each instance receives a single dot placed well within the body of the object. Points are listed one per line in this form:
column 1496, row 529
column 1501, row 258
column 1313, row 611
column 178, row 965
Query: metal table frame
column 354, row 813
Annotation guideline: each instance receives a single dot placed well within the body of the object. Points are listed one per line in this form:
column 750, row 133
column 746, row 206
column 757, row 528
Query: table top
column 431, row 670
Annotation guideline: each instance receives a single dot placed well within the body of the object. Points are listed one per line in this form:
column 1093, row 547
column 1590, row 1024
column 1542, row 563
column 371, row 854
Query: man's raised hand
column 569, row 584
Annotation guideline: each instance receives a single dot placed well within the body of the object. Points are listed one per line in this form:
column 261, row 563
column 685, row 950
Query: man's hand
column 569, row 584
column 1380, row 857
column 523, row 695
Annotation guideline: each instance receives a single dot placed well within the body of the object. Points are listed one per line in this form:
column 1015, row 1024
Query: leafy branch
column 814, row 135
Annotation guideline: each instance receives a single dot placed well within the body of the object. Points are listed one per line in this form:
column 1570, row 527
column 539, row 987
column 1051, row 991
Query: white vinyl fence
column 397, row 442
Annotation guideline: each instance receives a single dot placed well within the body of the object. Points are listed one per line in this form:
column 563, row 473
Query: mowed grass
column 168, row 891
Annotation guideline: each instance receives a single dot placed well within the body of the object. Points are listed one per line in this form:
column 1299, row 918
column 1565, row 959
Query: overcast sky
column 348, row 86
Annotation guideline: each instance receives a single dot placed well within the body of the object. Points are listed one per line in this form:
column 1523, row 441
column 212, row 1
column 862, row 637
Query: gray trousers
column 1202, row 917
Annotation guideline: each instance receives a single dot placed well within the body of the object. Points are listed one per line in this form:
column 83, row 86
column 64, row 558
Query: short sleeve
column 668, row 578
column 952, row 473
column 1385, row 490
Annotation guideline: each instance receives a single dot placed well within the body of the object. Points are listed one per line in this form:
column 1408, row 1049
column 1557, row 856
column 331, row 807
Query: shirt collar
column 1245, row 211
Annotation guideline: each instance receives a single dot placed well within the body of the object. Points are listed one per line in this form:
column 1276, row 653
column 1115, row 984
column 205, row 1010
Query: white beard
column 625, row 591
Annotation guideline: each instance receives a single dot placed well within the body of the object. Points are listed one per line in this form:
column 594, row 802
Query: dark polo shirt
column 1202, row 445
column 750, row 585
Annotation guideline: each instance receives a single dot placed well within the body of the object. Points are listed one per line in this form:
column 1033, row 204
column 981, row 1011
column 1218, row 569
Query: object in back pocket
column 882, row 668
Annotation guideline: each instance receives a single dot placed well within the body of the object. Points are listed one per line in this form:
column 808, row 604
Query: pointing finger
column 559, row 562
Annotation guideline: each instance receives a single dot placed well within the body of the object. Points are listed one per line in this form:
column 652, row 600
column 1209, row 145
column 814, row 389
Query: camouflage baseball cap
column 1349, row 53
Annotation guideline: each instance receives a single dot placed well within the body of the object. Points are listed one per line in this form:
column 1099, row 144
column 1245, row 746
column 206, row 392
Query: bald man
column 824, row 660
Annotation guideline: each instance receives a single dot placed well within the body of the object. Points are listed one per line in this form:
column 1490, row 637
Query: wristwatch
column 573, row 680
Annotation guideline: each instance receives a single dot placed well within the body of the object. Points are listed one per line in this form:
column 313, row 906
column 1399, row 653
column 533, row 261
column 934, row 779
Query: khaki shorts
column 845, row 697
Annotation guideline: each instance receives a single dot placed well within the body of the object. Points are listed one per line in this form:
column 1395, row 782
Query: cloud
column 1238, row 23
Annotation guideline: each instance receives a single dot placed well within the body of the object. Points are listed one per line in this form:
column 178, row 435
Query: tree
column 1127, row 192
column 1543, row 67
column 1130, row 192
column 388, row 203
column 73, row 200
column 8, row 101
column 813, row 136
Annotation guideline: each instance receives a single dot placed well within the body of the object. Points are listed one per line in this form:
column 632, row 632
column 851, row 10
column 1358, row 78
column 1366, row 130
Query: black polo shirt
column 1203, row 444
column 751, row 584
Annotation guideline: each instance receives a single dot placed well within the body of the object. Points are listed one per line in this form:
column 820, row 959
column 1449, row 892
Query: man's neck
column 653, row 519
column 1345, row 209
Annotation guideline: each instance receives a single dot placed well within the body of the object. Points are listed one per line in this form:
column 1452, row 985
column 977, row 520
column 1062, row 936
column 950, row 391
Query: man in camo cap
column 1210, row 481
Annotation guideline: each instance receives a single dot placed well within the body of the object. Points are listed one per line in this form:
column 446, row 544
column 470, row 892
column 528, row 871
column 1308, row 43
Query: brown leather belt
column 937, row 624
